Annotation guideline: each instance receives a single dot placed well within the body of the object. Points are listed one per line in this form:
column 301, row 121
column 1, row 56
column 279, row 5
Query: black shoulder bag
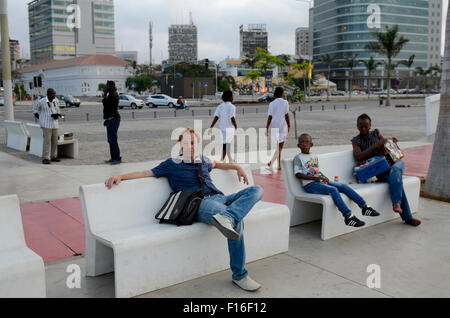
column 182, row 206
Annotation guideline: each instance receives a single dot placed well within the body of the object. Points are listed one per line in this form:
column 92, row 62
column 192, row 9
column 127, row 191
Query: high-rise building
column 61, row 29
column 302, row 41
column 343, row 28
column 252, row 36
column 183, row 43
column 14, row 48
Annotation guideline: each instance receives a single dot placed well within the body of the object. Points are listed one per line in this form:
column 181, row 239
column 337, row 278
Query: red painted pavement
column 55, row 229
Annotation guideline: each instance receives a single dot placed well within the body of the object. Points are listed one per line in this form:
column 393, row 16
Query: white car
column 160, row 100
column 2, row 101
column 130, row 101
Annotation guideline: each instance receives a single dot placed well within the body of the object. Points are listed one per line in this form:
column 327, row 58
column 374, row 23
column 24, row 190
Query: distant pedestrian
column 112, row 121
column 279, row 119
column 48, row 113
column 226, row 113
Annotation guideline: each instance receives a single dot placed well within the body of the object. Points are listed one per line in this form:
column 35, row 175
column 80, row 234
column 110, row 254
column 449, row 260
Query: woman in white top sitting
column 279, row 120
column 226, row 112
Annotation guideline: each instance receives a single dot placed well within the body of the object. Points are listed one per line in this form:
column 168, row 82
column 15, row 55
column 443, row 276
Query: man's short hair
column 227, row 96
column 364, row 117
column 191, row 131
column 278, row 92
column 50, row 90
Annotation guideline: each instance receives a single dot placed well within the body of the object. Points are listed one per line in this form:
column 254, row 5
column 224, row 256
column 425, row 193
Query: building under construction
column 183, row 43
column 252, row 36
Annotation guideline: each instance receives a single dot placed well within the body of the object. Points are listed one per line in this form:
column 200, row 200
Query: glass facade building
column 342, row 28
column 53, row 35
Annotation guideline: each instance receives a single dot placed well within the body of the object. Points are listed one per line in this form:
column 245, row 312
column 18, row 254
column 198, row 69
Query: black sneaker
column 109, row 161
column 369, row 211
column 354, row 221
column 46, row 161
column 55, row 160
column 115, row 162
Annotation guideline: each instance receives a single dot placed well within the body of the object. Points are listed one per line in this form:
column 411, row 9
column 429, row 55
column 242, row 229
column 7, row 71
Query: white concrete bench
column 306, row 207
column 22, row 271
column 67, row 148
column 432, row 106
column 17, row 136
column 123, row 236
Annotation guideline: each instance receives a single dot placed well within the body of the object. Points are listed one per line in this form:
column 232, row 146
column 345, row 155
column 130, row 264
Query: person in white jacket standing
column 278, row 119
column 226, row 113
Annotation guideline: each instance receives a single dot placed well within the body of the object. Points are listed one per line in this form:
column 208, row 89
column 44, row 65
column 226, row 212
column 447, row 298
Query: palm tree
column 389, row 44
column 436, row 72
column 438, row 178
column 371, row 65
column 249, row 60
column 351, row 63
column 423, row 73
column 408, row 63
column 329, row 60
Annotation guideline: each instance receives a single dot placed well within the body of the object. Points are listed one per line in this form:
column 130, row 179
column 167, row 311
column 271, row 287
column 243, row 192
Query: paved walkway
column 55, row 229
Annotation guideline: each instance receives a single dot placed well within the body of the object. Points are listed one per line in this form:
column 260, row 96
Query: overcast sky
column 217, row 23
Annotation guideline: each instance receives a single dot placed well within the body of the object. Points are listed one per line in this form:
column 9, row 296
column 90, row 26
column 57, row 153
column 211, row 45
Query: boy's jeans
column 333, row 189
column 236, row 206
column 395, row 179
column 112, row 126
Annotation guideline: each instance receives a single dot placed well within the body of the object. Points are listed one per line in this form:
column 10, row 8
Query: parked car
column 69, row 100
column 160, row 100
column 130, row 101
column 266, row 98
column 2, row 101
column 336, row 92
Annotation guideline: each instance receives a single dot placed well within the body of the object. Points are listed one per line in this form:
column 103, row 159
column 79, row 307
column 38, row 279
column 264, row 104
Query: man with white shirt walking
column 48, row 113
column 226, row 113
column 278, row 119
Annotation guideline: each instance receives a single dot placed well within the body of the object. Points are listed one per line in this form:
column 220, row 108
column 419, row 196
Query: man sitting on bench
column 225, row 212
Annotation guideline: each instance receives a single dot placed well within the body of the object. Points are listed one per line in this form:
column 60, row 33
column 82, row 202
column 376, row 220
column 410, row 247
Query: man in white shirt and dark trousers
column 226, row 113
column 48, row 113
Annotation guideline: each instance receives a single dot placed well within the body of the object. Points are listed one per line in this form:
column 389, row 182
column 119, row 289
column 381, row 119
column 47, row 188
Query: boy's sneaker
column 354, row 221
column 225, row 226
column 369, row 211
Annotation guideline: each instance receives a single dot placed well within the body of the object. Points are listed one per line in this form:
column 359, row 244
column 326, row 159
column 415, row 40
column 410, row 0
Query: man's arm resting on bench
column 129, row 176
column 231, row 166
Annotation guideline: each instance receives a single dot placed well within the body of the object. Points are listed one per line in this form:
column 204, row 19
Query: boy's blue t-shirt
column 184, row 176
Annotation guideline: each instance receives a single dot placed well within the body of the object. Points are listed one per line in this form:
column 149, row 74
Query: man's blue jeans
column 236, row 206
column 333, row 189
column 395, row 179
column 112, row 126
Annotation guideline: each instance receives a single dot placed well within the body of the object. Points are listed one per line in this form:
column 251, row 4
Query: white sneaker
column 225, row 226
column 247, row 284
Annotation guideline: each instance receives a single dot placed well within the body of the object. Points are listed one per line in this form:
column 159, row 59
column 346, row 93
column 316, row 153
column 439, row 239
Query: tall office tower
column 150, row 31
column 14, row 49
column 252, row 36
column 344, row 29
column 61, row 29
column 183, row 43
column 302, row 41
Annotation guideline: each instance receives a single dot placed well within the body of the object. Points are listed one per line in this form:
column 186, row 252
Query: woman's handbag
column 392, row 152
column 182, row 206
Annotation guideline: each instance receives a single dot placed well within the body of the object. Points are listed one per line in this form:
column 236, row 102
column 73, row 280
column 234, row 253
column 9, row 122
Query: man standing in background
column 48, row 113
column 112, row 121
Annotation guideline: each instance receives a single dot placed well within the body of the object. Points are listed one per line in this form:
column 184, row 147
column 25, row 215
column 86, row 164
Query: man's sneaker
column 354, row 221
column 225, row 226
column 413, row 222
column 109, row 161
column 55, row 160
column 247, row 284
column 369, row 211
column 115, row 162
column 46, row 161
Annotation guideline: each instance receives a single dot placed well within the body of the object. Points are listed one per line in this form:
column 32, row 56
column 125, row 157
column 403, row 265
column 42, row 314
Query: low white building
column 78, row 76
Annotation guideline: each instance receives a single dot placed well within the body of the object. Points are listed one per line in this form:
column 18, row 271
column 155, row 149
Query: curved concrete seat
column 306, row 207
column 22, row 271
column 17, row 136
column 123, row 236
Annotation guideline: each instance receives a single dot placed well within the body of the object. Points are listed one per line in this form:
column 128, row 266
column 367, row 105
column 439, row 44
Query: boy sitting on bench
column 306, row 168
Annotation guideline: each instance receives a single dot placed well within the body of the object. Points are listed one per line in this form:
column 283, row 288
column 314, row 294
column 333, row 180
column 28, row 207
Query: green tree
column 329, row 60
column 101, row 87
column 351, row 62
column 408, row 63
column 249, row 60
column 223, row 85
column 17, row 91
column 389, row 44
column 423, row 73
column 252, row 76
column 371, row 65
column 142, row 83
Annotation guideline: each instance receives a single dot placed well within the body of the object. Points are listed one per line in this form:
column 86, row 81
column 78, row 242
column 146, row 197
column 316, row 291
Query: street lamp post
column 216, row 82
column 6, row 61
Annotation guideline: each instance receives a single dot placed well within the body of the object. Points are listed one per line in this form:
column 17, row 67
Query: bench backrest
column 11, row 229
column 15, row 127
column 35, row 131
column 135, row 202
column 330, row 164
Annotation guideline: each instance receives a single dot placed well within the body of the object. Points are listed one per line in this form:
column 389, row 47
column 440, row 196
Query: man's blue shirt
column 184, row 176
